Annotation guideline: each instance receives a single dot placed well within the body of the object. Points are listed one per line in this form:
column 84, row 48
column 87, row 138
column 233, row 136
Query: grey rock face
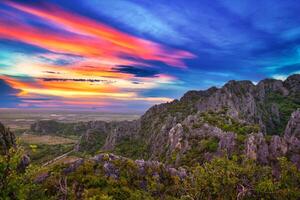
column 119, row 130
column 278, row 147
column 7, row 141
column 227, row 142
column 292, row 136
column 25, row 161
column 293, row 83
column 73, row 166
column 175, row 137
column 256, row 148
column 168, row 127
column 292, row 132
column 104, row 135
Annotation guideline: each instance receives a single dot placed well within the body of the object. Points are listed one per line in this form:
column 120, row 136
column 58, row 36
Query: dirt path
column 57, row 158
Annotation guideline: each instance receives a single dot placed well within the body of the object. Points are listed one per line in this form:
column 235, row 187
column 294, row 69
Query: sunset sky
column 124, row 55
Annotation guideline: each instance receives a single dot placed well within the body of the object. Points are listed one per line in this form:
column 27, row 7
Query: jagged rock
column 104, row 135
column 168, row 127
column 41, row 177
column 227, row 142
column 7, row 139
column 278, row 147
column 295, row 158
column 73, row 166
column 175, row 137
column 293, row 83
column 25, row 161
column 292, row 132
column 91, row 141
column 256, row 148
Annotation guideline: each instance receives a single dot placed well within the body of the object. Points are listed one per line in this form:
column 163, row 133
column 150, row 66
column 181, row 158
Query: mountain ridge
column 240, row 107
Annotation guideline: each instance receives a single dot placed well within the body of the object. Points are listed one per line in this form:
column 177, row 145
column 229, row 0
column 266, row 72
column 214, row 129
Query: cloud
column 8, row 95
column 76, row 80
column 136, row 71
column 99, row 39
column 51, row 72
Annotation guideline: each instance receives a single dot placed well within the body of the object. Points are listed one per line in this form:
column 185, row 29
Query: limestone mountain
column 222, row 118
column 240, row 141
column 238, row 118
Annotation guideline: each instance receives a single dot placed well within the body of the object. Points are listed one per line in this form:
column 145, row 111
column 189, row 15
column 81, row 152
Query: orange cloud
column 118, row 42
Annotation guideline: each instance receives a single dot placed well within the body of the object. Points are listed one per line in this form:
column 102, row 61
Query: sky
column 127, row 55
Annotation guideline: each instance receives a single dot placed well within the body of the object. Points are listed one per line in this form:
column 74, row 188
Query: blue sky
column 151, row 51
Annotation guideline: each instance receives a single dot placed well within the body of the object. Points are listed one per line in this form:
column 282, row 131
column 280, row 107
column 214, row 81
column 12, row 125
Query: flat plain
column 23, row 118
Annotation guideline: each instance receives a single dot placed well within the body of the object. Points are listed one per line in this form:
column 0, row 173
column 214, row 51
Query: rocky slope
column 241, row 141
column 238, row 113
column 239, row 117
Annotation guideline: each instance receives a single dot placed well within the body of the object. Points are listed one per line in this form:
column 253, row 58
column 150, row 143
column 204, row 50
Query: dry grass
column 45, row 139
column 65, row 160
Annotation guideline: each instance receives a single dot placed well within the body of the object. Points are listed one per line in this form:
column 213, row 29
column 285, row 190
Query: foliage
column 198, row 148
column 14, row 182
column 227, row 123
column 40, row 153
column 224, row 178
column 94, row 141
column 131, row 148
column 286, row 105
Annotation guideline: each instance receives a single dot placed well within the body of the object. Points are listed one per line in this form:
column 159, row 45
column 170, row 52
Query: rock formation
column 239, row 117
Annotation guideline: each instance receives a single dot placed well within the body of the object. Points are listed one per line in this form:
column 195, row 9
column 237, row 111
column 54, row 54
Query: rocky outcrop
column 278, row 147
column 292, row 136
column 105, row 135
column 112, row 165
column 7, row 139
column 168, row 129
column 292, row 132
column 256, row 148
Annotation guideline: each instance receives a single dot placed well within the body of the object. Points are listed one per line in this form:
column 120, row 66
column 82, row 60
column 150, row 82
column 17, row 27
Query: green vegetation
column 42, row 153
column 119, row 178
column 14, row 183
column 131, row 148
column 195, row 154
column 221, row 178
column 93, row 142
column 224, row 178
column 227, row 123
column 286, row 105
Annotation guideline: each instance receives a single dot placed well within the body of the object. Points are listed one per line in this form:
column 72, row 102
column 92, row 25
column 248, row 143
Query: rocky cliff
column 8, row 142
column 238, row 118
column 7, row 139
